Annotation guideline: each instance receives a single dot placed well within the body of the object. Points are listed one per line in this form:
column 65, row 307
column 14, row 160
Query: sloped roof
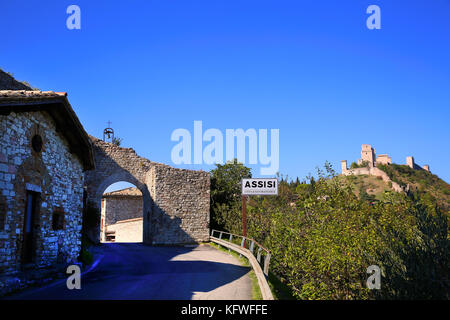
column 127, row 192
column 59, row 108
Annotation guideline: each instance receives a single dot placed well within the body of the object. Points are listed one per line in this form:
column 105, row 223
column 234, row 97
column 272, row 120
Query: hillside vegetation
column 421, row 182
column 324, row 233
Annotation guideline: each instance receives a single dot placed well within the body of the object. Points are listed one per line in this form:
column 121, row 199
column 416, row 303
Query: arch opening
column 122, row 213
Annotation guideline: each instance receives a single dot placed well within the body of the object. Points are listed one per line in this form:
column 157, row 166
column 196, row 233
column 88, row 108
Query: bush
column 364, row 164
column 323, row 245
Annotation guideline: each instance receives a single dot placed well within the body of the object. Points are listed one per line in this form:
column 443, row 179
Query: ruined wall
column 374, row 171
column 175, row 201
column 55, row 173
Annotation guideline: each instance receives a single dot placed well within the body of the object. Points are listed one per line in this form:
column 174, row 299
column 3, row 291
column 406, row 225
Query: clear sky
column 311, row 69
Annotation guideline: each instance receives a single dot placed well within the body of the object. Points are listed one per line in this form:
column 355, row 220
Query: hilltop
column 415, row 182
column 420, row 182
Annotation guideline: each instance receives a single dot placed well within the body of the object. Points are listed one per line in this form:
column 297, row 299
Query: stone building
column 51, row 170
column 121, row 216
column 410, row 163
column 383, row 159
column 44, row 152
column 175, row 202
column 368, row 156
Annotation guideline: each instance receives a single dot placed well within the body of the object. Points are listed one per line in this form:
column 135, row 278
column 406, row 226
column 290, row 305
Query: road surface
column 140, row 272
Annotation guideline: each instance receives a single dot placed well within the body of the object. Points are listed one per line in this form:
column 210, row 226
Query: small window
column 36, row 143
column 58, row 220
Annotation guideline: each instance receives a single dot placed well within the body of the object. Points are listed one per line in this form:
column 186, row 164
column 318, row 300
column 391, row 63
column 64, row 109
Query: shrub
column 323, row 245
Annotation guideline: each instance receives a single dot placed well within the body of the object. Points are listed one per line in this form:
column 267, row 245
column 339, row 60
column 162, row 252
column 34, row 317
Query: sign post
column 257, row 186
column 244, row 215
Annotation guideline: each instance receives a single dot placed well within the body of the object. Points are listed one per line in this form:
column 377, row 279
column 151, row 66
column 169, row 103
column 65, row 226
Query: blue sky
column 311, row 69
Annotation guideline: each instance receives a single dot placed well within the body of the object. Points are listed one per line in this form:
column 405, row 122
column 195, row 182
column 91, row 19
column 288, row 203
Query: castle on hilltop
column 367, row 165
column 369, row 157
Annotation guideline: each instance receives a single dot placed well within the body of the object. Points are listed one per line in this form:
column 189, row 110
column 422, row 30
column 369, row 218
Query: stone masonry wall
column 7, row 82
column 175, row 201
column 183, row 197
column 127, row 230
column 55, row 173
column 374, row 172
column 121, row 208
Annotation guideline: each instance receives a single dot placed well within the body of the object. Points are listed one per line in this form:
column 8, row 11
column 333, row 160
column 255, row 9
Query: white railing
column 247, row 248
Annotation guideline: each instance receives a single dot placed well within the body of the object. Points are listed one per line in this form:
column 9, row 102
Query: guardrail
column 262, row 258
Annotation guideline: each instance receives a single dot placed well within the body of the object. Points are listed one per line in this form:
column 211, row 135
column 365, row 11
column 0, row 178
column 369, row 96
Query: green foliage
column 422, row 184
column 117, row 141
column 364, row 164
column 364, row 196
column 323, row 238
column 279, row 289
column 226, row 195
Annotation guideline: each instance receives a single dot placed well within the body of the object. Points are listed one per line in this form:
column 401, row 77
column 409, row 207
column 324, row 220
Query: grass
column 280, row 290
column 256, row 292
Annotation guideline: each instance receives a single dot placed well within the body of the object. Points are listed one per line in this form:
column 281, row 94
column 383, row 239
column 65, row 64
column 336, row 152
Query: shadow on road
column 138, row 271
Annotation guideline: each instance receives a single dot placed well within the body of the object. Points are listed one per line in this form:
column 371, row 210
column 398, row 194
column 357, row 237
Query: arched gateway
column 176, row 201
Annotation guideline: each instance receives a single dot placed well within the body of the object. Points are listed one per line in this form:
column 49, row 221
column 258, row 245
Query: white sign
column 260, row 186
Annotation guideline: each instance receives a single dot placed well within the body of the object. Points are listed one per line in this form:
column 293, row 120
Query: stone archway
column 124, row 176
column 175, row 201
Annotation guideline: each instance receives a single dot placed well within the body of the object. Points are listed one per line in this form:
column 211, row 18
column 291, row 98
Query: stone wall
column 127, row 230
column 410, row 162
column 374, row 171
column 7, row 82
column 121, row 208
column 383, row 159
column 182, row 210
column 55, row 173
column 175, row 201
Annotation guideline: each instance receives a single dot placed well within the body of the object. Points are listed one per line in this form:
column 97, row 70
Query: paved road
column 137, row 271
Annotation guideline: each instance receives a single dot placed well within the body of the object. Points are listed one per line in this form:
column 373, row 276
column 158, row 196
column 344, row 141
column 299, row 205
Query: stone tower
column 410, row 162
column 344, row 165
column 367, row 155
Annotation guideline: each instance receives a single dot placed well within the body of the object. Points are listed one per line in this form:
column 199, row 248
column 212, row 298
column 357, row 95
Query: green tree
column 323, row 242
column 226, row 195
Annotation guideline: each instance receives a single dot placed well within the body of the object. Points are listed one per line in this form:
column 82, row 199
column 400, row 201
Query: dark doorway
column 29, row 226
